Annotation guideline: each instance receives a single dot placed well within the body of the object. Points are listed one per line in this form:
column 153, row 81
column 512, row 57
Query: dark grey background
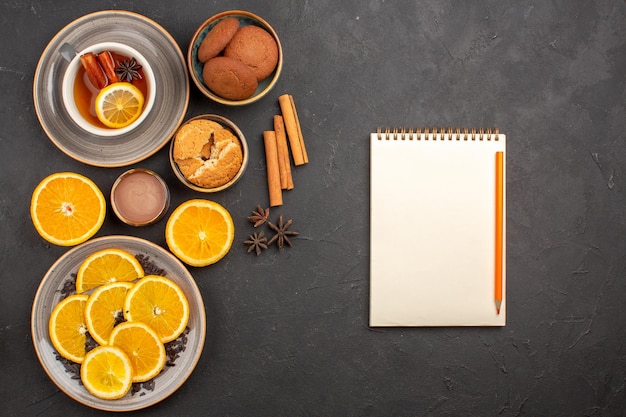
column 287, row 333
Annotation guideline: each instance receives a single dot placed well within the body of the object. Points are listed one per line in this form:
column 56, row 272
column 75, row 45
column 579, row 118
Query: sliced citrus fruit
column 67, row 208
column 107, row 265
column 67, row 327
column 107, row 372
column 160, row 303
column 200, row 232
column 142, row 346
column 104, row 310
column 119, row 104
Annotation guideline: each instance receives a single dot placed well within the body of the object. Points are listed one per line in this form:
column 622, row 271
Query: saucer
column 172, row 82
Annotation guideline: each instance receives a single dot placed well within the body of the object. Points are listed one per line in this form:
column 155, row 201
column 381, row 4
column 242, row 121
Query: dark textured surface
column 287, row 332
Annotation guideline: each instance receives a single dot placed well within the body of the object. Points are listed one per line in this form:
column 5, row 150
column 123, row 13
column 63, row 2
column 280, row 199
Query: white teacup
column 70, row 77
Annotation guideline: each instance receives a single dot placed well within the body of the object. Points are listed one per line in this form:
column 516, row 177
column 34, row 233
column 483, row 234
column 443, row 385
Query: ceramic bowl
column 195, row 66
column 244, row 147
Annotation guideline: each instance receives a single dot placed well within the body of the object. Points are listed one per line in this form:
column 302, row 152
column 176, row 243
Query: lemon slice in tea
column 119, row 104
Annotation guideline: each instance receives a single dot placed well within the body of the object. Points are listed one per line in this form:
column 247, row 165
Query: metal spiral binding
column 438, row 134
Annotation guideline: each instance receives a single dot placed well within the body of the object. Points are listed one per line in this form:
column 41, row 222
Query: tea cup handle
column 67, row 51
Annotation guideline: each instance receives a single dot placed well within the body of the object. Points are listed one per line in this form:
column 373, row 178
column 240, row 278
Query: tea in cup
column 86, row 76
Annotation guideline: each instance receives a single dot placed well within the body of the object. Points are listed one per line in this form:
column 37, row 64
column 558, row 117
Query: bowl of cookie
column 235, row 57
column 208, row 153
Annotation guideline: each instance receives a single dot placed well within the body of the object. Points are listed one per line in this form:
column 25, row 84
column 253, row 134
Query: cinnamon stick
column 284, row 164
column 300, row 137
column 291, row 127
column 273, row 173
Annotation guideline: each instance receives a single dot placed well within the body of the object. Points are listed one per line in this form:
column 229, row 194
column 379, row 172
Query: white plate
column 49, row 294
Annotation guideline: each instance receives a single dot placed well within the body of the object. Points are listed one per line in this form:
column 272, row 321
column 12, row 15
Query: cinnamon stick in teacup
column 273, row 173
column 292, row 126
column 284, row 163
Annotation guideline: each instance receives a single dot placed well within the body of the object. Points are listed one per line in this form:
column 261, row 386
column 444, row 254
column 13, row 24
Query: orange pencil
column 499, row 227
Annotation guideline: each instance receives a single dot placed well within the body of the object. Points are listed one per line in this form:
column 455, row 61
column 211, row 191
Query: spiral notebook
column 438, row 227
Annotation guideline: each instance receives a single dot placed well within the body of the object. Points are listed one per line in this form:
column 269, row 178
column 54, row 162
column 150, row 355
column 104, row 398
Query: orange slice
column 104, row 309
column 107, row 265
column 200, row 232
column 119, row 104
column 67, row 327
column 106, row 372
column 142, row 346
column 67, row 208
column 160, row 303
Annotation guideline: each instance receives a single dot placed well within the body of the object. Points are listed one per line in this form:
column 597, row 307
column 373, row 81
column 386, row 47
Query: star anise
column 282, row 232
column 259, row 216
column 257, row 242
column 128, row 70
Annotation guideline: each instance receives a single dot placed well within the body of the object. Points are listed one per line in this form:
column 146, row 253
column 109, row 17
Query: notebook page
column 433, row 233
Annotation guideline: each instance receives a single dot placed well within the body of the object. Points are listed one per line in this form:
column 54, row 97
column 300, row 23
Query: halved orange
column 67, row 328
column 67, row 208
column 200, row 232
column 107, row 265
column 160, row 303
column 142, row 346
column 107, row 372
column 104, row 309
column 119, row 104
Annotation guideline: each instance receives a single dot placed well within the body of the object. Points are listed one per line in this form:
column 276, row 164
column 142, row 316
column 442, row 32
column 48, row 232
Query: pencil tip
column 498, row 305
column 498, row 311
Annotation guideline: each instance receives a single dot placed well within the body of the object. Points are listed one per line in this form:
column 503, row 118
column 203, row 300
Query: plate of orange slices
column 118, row 323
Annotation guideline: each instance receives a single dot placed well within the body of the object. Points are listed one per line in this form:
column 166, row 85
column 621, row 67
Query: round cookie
column 217, row 38
column 229, row 78
column 207, row 154
column 256, row 48
column 192, row 136
column 223, row 164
